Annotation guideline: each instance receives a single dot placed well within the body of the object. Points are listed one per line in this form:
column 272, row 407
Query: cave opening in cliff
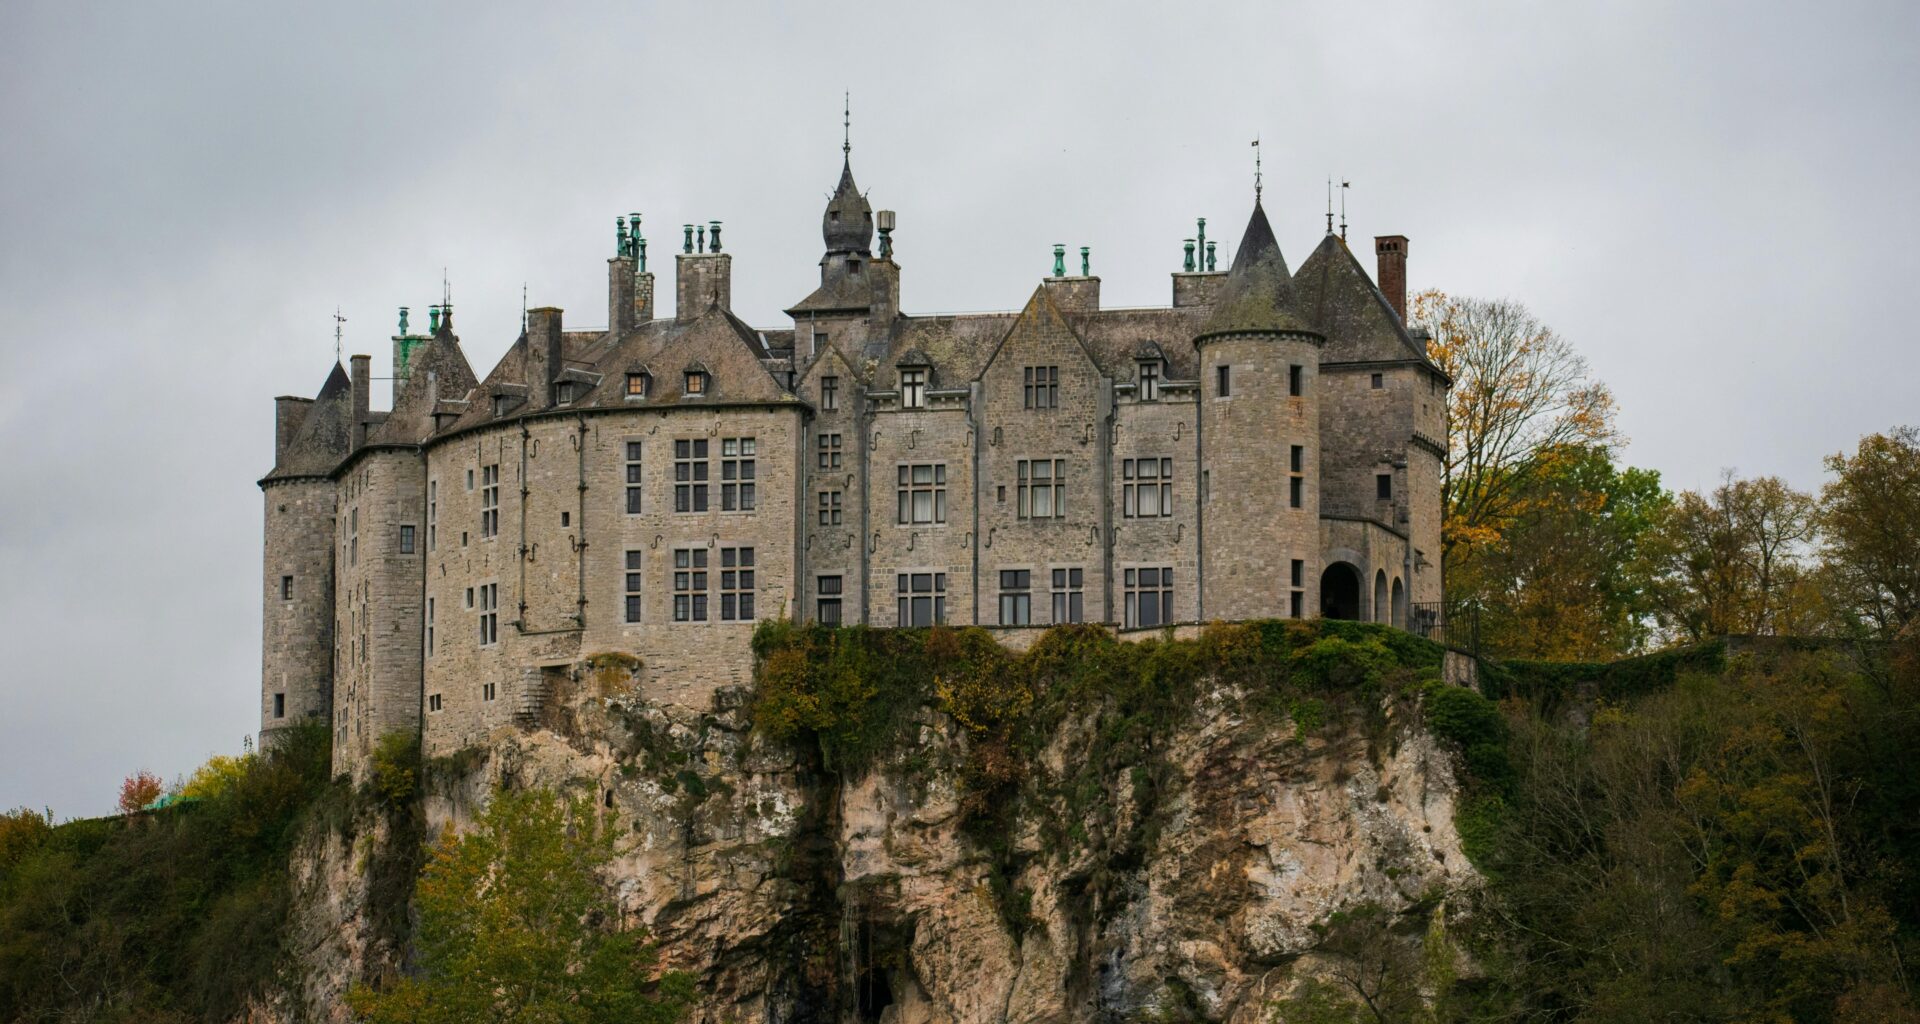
column 874, row 993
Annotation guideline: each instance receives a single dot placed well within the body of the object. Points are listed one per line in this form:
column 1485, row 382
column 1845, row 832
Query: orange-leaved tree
column 140, row 789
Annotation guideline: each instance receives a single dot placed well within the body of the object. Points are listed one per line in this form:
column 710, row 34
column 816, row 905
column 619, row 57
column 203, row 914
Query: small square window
column 433, row 702
column 696, row 382
column 1383, row 486
column 566, row 518
column 563, row 393
column 638, row 384
column 1379, row 381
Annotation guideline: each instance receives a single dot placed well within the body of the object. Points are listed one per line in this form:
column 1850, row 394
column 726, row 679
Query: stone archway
column 1340, row 591
column 1380, row 596
column 1399, row 604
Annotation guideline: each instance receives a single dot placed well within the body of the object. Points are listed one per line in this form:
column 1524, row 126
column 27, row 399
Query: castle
column 1269, row 445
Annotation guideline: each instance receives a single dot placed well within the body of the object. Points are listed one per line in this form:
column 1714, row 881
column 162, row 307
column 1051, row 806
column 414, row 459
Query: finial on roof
column 337, row 321
column 1256, row 170
column 1344, row 185
column 846, row 124
column 1329, row 204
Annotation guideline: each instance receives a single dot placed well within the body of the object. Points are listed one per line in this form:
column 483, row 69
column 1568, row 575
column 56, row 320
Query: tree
column 140, row 789
column 516, row 927
column 1520, row 393
column 1731, row 562
column 1870, row 517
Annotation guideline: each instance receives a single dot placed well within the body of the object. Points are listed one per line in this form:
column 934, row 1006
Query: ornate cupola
column 848, row 223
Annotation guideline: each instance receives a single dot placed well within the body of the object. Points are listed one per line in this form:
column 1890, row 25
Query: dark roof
column 1336, row 294
column 325, row 434
column 437, row 370
column 1258, row 294
column 847, row 225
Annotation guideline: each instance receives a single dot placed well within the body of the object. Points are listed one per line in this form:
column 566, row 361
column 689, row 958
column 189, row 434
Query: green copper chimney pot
column 1189, row 243
column 713, row 235
column 620, row 236
column 1086, row 263
column 433, row 319
column 403, row 321
column 1059, row 260
column 688, row 247
column 1210, row 262
column 641, row 245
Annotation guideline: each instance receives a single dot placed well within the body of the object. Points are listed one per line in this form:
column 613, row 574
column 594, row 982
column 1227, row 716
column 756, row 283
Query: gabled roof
column 437, row 371
column 1039, row 313
column 325, row 435
column 1335, row 292
column 1258, row 294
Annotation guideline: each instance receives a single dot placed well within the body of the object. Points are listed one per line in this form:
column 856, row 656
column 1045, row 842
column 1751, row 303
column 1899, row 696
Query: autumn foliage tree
column 1870, row 524
column 1733, row 561
column 140, row 789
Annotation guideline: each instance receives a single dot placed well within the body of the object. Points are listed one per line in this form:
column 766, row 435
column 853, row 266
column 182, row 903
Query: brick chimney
column 1392, row 278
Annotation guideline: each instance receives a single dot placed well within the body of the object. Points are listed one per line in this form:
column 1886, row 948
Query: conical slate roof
column 1258, row 295
column 1334, row 291
column 848, row 223
column 325, row 434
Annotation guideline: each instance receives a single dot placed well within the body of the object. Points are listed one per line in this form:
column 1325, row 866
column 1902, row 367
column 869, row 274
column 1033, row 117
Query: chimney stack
column 544, row 355
column 1391, row 250
column 362, row 368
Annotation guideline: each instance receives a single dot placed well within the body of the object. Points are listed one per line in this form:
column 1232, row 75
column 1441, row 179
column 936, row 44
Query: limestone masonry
column 1269, row 445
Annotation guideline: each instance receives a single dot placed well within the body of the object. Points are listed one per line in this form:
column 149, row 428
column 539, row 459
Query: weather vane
column 1344, row 186
column 846, row 123
column 1256, row 170
column 337, row 321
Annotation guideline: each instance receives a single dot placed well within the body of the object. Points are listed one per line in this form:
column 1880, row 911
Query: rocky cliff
column 1113, row 858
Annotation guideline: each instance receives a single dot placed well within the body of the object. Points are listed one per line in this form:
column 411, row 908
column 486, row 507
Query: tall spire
column 848, row 223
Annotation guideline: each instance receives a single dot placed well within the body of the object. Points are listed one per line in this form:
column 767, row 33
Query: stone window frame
column 1029, row 488
column 286, row 587
column 829, row 392
column 691, row 584
column 433, row 514
column 831, row 510
column 639, row 385
column 280, row 705
column 408, row 543
column 1040, row 387
column 1296, row 380
column 907, row 594
column 490, row 501
column 692, row 474
column 1297, row 581
column 435, row 704
column 1134, row 483
column 1383, row 487
column 353, row 535
column 830, row 450
column 633, row 451
column 430, row 624
column 739, row 582
column 487, row 608
column 1134, row 586
column 1296, row 481
column 1016, row 595
column 1223, row 381
column 696, row 382
column 914, row 383
column 563, row 393
column 739, row 476
column 489, row 691
column 1149, row 376
column 1377, row 382
column 633, row 586
column 1067, row 592
column 825, row 597
column 908, row 488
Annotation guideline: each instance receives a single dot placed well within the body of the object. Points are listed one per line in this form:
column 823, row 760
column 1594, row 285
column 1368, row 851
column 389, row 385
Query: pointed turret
column 848, row 223
column 1258, row 295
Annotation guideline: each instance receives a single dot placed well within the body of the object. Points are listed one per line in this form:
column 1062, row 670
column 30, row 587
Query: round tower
column 1259, row 442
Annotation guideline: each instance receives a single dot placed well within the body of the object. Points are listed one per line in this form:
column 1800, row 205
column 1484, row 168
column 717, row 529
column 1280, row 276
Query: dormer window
column 696, row 382
column 1149, row 380
column 501, row 403
column 563, row 393
column 638, row 384
column 913, row 389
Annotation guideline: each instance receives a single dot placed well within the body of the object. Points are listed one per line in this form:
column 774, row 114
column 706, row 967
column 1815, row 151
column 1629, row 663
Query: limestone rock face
column 1188, row 888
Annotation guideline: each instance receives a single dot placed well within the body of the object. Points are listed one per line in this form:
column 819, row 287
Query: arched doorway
column 1340, row 592
column 1399, row 604
column 1380, row 596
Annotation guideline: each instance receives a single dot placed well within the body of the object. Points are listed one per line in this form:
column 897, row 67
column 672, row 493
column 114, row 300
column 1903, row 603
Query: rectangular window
column 489, row 501
column 1299, row 573
column 913, row 389
column 488, row 691
column 1296, row 380
column 636, row 385
column 922, row 493
column 1379, row 382
column 1042, row 387
column 279, row 705
column 433, row 702
column 286, row 588
column 736, row 474
column 1067, row 596
column 1296, row 602
column 1149, row 382
column 690, row 475
column 1383, row 486
column 634, row 477
column 429, row 627
column 1146, row 488
column 1042, row 491
column 469, row 479
column 1016, row 597
column 631, row 588
column 1149, row 597
column 433, row 515
column 469, row 598
column 1223, row 381
column 690, row 585
column 1297, row 605
column 353, row 536
column 829, row 392
column 563, row 393
column 1296, row 492
column 406, row 539
column 828, row 603
column 829, row 508
column 1297, row 459
column 922, row 598
column 489, row 614
column 829, row 451
column 696, row 382
column 736, row 584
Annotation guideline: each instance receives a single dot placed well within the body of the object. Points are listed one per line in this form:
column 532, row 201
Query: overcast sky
column 1715, row 204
